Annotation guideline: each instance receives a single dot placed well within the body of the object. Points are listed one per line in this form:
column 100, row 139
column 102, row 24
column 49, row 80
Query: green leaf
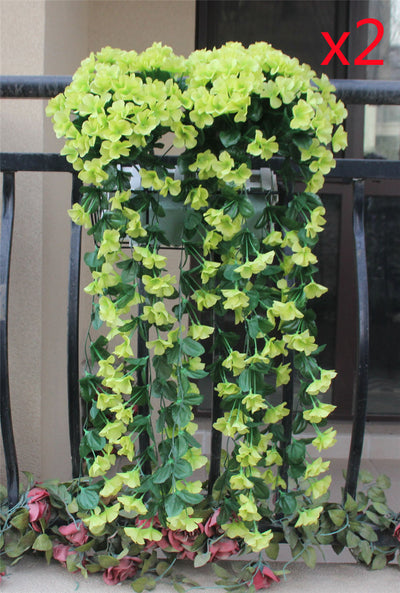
column 201, row 559
column 42, row 543
column 173, row 505
column 181, row 414
column 350, row 504
column 366, row 477
column 365, row 552
column 229, row 137
column 143, row 584
column 379, row 562
column 107, row 561
column 376, row 494
column 87, row 499
column 221, row 572
column 368, row 533
column 381, row 508
column 192, row 348
column 163, row 568
column 94, row 440
column 273, row 551
column 296, row 452
column 246, row 208
column 189, row 498
column 310, row 557
column 182, row 469
column 352, row 540
column 383, row 482
column 337, row 516
column 162, row 367
column 178, row 587
column 20, row 520
column 162, row 474
column 17, row 546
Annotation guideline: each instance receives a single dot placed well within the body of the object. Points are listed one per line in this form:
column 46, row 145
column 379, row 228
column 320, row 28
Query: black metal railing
column 348, row 171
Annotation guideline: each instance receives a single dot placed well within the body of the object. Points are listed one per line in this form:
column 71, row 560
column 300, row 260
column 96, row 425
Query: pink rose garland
column 39, row 507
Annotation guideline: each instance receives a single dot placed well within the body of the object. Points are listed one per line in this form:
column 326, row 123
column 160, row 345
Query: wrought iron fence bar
column 346, row 169
column 368, row 92
column 35, row 162
column 32, row 87
column 351, row 91
column 10, row 452
column 73, row 371
column 361, row 388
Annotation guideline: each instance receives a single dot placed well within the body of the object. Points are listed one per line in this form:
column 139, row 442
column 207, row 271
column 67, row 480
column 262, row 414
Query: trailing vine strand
column 241, row 290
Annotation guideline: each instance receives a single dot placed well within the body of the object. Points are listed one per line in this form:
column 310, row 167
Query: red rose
column 126, row 568
column 396, row 532
column 76, row 533
column 2, row 574
column 39, row 507
column 211, row 526
column 61, row 551
column 223, row 548
column 262, row 579
column 182, row 541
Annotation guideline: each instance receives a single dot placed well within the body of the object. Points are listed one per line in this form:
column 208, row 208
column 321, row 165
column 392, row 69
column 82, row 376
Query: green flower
column 204, row 299
column 324, row 440
column 209, row 270
column 319, row 488
column 161, row 286
column 309, row 516
column 197, row 198
column 323, row 384
column 157, row 314
column 263, row 147
column 254, row 402
column 339, row 140
column 314, row 290
column 248, row 508
column 286, row 311
column 318, row 413
column 200, row 332
column 234, row 299
column 247, row 455
column 235, row 362
column 275, row 414
column 302, row 342
column 302, row 116
column 79, row 216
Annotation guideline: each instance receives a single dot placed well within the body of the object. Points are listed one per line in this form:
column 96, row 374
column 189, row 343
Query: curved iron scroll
column 361, row 388
column 10, row 452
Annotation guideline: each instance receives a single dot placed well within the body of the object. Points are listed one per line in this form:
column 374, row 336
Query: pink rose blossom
column 126, row 568
column 75, row 533
column 182, row 541
column 223, row 549
column 61, row 552
column 262, row 579
column 39, row 507
column 211, row 526
column 396, row 532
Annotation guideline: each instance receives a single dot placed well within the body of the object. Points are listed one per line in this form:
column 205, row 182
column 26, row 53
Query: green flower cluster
column 220, row 108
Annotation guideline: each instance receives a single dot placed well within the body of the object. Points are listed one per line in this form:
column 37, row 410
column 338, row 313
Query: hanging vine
column 253, row 271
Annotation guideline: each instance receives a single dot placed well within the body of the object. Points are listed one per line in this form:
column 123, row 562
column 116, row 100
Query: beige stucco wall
column 52, row 37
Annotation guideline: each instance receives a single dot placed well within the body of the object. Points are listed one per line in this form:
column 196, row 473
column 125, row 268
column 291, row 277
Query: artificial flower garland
column 252, row 273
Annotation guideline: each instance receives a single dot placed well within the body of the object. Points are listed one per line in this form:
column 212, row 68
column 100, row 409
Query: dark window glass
column 293, row 26
column 383, row 256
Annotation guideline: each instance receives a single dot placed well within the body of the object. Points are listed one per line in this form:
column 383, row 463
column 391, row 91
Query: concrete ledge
column 32, row 575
